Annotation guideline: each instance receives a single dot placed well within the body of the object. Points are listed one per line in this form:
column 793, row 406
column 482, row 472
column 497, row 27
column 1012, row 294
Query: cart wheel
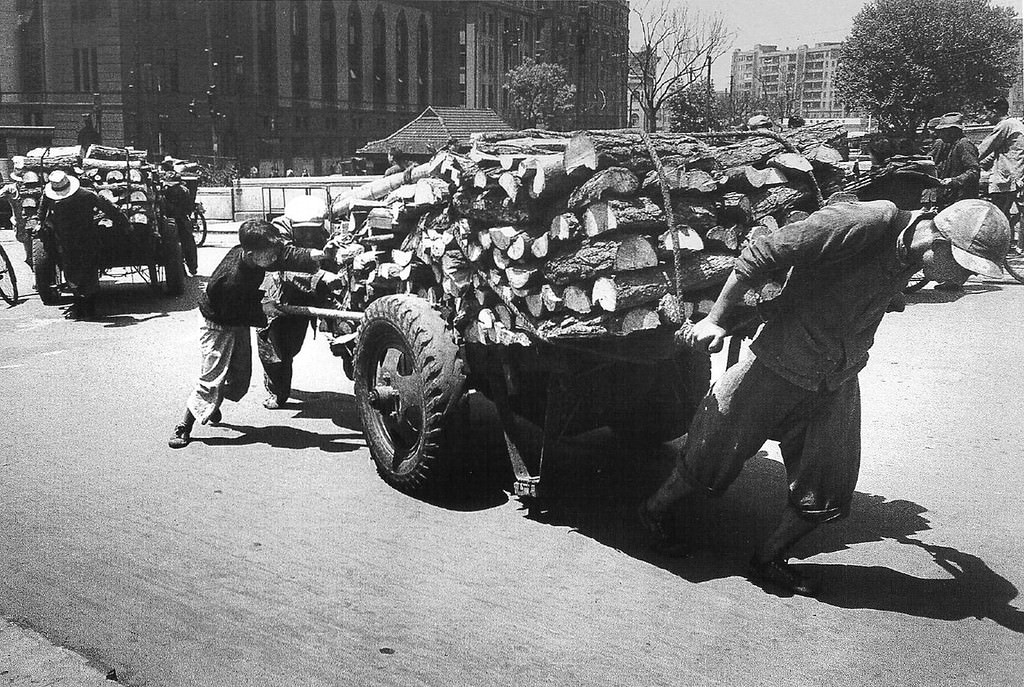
column 45, row 269
column 1014, row 265
column 8, row 279
column 174, row 267
column 409, row 378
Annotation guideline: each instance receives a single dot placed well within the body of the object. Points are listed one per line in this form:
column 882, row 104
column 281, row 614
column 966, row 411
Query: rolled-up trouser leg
column 821, row 448
column 226, row 368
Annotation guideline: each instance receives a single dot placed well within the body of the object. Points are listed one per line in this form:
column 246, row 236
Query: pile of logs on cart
column 545, row 235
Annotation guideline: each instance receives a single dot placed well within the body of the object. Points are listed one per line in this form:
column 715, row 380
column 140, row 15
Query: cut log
column 534, row 303
column 483, row 237
column 728, row 237
column 736, row 207
column 796, row 216
column 791, row 162
column 519, row 276
column 517, row 248
column 757, row 150
column 679, row 178
column 640, row 319
column 564, row 227
column 642, row 215
column 501, row 237
column 381, row 187
column 540, row 246
column 776, row 199
column 577, row 299
column 501, row 260
column 611, row 182
column 626, row 148
column 676, row 238
column 552, row 297
column 510, row 183
column 489, row 208
column 430, row 191
column 628, row 289
column 609, row 253
column 545, row 175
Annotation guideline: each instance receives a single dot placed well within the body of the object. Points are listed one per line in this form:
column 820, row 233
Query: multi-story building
column 299, row 82
column 787, row 82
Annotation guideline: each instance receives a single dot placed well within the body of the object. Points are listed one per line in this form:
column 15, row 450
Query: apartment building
column 787, row 82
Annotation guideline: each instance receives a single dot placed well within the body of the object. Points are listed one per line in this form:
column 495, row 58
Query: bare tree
column 676, row 48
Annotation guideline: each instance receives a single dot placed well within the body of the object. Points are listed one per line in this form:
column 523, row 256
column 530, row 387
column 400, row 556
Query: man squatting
column 848, row 261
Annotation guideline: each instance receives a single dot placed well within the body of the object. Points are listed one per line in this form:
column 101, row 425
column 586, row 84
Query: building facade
column 290, row 83
column 788, row 82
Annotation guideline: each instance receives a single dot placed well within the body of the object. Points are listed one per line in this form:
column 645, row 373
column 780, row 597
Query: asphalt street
column 269, row 552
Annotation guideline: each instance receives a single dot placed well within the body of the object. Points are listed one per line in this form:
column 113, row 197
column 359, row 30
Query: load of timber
column 545, row 235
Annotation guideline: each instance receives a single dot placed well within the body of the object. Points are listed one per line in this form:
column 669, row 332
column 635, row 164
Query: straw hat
column 950, row 120
column 61, row 185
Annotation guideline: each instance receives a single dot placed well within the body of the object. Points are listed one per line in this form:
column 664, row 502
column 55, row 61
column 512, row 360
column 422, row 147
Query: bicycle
column 198, row 220
column 8, row 279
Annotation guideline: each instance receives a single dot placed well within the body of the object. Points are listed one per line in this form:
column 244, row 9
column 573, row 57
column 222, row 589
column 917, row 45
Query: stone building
column 788, row 82
column 296, row 83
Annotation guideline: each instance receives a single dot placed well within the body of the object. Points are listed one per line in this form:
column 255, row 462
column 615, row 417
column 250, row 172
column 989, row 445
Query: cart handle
column 327, row 313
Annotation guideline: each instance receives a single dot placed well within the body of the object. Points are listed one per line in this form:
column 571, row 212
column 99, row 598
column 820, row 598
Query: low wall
column 267, row 196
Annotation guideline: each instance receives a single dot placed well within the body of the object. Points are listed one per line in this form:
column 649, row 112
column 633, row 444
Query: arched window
column 402, row 60
column 423, row 64
column 379, row 58
column 300, row 51
column 355, row 56
column 328, row 52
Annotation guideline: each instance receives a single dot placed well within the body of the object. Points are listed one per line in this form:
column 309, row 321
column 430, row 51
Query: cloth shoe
column 274, row 403
column 180, row 438
column 781, row 574
column 661, row 533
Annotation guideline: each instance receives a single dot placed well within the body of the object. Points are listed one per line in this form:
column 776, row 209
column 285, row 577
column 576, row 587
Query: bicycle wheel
column 199, row 228
column 1014, row 265
column 8, row 279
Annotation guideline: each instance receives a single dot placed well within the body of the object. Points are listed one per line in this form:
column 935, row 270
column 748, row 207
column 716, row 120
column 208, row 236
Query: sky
column 785, row 23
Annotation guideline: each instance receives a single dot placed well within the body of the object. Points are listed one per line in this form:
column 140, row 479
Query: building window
column 423, row 64
column 85, row 69
column 355, row 56
column 266, row 40
column 300, row 51
column 328, row 52
column 402, row 60
column 379, row 58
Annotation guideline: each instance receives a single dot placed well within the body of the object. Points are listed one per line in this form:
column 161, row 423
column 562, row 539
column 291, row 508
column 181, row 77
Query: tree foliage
column 539, row 93
column 689, row 109
column 676, row 44
column 906, row 61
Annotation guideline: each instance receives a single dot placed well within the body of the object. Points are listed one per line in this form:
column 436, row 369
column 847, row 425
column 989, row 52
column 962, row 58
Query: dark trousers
column 188, row 242
column 277, row 344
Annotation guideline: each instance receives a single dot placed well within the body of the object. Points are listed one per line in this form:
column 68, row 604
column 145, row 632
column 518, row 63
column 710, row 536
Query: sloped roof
column 432, row 130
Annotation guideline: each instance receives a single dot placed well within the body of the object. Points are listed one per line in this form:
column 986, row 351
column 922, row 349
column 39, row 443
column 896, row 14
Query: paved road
column 269, row 552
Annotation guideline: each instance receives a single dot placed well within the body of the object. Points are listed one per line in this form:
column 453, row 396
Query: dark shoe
column 781, row 574
column 180, row 438
column 661, row 533
column 274, row 403
column 215, row 417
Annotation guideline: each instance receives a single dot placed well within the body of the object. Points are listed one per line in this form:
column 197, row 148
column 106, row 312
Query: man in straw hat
column 956, row 161
column 847, row 262
column 67, row 213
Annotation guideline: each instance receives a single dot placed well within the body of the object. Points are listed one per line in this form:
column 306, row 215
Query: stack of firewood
column 33, row 169
column 550, row 235
column 123, row 176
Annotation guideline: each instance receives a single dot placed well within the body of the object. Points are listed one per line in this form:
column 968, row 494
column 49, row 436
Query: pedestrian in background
column 956, row 161
column 230, row 305
column 178, row 205
column 1002, row 153
column 67, row 217
column 9, row 193
column 846, row 263
column 304, row 224
column 397, row 162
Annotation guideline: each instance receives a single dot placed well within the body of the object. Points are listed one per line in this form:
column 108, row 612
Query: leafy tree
column 689, row 111
column 909, row 60
column 539, row 93
column 676, row 47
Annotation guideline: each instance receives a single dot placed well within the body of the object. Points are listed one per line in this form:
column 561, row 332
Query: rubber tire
column 8, row 294
column 199, row 228
column 412, row 323
column 44, row 268
column 1014, row 266
column 173, row 262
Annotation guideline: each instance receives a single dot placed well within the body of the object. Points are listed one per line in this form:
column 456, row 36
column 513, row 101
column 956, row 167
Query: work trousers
column 188, row 242
column 277, row 344
column 226, row 368
column 818, row 432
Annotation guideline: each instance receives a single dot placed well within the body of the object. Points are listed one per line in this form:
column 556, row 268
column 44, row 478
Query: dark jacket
column 233, row 297
column 74, row 230
column 848, row 261
column 958, row 162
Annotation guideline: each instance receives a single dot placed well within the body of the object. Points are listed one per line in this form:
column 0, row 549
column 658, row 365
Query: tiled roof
column 432, row 130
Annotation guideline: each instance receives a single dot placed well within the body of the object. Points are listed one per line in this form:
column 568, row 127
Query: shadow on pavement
column 595, row 482
column 279, row 436
column 119, row 303
column 326, row 405
column 933, row 295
